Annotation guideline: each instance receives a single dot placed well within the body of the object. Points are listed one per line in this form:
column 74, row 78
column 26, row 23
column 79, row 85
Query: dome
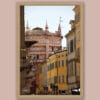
column 37, row 28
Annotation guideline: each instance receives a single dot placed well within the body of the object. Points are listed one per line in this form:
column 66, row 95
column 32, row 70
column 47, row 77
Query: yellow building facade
column 57, row 72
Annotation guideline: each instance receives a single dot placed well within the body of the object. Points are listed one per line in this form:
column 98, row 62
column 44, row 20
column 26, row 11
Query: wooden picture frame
column 23, row 46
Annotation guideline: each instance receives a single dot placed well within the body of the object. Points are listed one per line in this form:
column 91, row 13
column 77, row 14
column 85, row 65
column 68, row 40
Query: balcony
column 28, row 43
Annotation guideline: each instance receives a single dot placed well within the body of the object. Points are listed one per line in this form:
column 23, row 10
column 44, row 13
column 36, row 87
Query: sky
column 36, row 16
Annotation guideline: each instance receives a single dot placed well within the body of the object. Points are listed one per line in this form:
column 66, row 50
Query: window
column 63, row 79
column 66, row 62
column 51, row 66
column 59, row 63
column 62, row 62
column 71, row 46
column 59, row 79
column 68, row 47
column 71, row 69
column 74, row 42
column 56, row 64
column 52, row 49
column 37, row 56
column 55, row 79
column 66, row 79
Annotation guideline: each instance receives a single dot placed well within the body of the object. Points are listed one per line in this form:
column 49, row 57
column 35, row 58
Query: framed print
column 49, row 49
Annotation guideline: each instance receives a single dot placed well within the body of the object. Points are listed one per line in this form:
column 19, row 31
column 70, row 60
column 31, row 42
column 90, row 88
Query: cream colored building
column 73, row 44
